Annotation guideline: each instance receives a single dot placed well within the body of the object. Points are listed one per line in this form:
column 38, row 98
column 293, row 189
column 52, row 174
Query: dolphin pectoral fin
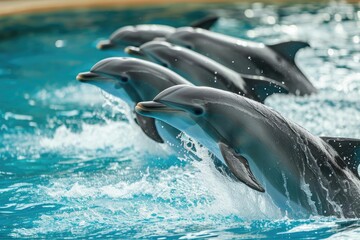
column 239, row 166
column 289, row 49
column 205, row 23
column 148, row 126
column 348, row 149
column 263, row 87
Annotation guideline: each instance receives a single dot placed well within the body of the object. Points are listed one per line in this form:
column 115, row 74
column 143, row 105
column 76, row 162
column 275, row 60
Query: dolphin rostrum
column 139, row 34
column 272, row 61
column 203, row 71
column 304, row 174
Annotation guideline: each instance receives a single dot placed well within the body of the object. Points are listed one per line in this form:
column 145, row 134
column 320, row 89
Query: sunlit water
column 73, row 165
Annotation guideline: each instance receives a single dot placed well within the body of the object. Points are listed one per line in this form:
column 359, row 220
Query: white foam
column 349, row 234
column 199, row 184
column 112, row 137
column 17, row 116
column 79, row 94
column 312, row 227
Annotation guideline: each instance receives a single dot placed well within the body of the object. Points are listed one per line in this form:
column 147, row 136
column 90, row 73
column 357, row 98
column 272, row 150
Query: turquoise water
column 72, row 165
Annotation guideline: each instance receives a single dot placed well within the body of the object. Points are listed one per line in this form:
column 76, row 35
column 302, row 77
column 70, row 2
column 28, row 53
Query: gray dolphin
column 203, row 71
column 139, row 34
column 302, row 173
column 272, row 61
column 135, row 80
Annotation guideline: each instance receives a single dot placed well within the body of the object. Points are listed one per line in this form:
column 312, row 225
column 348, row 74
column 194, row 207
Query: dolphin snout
column 149, row 106
column 145, row 108
column 89, row 76
column 131, row 50
column 105, row 44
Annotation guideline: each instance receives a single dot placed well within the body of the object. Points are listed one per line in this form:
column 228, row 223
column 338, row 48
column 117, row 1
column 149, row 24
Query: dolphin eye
column 189, row 47
column 198, row 111
column 124, row 79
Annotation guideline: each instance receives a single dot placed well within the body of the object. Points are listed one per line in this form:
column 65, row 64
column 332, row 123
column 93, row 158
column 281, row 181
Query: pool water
column 73, row 165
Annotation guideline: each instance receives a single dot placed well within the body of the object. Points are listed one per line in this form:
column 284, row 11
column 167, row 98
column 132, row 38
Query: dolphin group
column 212, row 87
column 272, row 61
column 134, row 80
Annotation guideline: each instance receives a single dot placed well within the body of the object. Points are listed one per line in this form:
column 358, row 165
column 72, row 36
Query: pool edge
column 39, row 6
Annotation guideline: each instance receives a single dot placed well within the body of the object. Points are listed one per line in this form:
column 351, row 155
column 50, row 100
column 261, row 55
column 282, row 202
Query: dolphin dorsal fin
column 289, row 49
column 205, row 23
column 239, row 166
column 263, row 87
column 348, row 149
column 149, row 128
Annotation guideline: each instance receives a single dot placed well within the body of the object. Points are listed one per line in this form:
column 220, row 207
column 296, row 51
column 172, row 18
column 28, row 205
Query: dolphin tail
column 205, row 23
column 349, row 151
column 262, row 87
column 289, row 49
column 148, row 126
column 239, row 166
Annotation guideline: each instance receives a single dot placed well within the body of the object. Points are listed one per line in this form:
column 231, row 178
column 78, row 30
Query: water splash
column 79, row 167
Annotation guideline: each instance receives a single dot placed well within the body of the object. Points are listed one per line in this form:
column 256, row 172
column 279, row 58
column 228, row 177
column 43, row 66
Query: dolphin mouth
column 131, row 50
column 105, row 44
column 151, row 106
column 90, row 76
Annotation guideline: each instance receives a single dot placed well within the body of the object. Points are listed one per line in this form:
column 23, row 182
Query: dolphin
column 272, row 61
column 139, row 34
column 135, row 80
column 303, row 174
column 203, row 71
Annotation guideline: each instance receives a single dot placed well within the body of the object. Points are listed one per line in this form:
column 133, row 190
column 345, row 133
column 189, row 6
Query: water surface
column 73, row 165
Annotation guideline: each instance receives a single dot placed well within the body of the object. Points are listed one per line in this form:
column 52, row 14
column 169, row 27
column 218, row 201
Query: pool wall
column 24, row 6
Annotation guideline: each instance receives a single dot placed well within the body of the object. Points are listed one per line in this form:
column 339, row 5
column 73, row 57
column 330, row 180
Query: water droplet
column 271, row 20
column 60, row 43
column 356, row 39
column 249, row 13
column 338, row 17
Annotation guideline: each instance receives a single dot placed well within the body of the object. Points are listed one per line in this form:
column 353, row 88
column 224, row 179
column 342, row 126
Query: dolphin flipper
column 149, row 128
column 263, row 87
column 289, row 49
column 205, row 23
column 348, row 149
column 239, row 166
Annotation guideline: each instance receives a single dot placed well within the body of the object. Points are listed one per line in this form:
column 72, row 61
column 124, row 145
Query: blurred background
column 25, row 6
